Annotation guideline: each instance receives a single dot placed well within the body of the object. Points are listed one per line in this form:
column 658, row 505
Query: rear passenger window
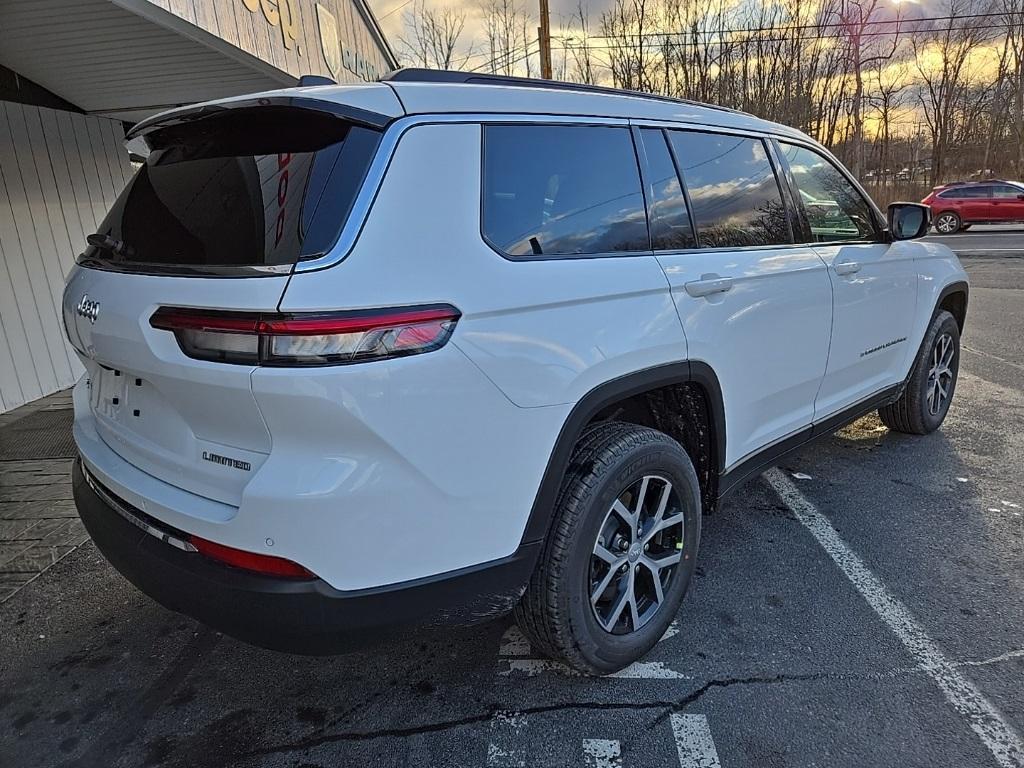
column 835, row 209
column 734, row 195
column 562, row 190
column 670, row 221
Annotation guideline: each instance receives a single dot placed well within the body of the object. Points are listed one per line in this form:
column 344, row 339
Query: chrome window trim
column 393, row 134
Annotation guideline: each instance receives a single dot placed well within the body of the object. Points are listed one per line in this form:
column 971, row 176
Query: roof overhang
column 125, row 59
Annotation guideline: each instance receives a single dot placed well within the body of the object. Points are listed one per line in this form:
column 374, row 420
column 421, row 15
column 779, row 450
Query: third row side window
column 734, row 195
column 562, row 190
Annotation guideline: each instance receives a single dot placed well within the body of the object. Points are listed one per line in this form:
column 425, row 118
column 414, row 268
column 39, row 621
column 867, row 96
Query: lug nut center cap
column 634, row 552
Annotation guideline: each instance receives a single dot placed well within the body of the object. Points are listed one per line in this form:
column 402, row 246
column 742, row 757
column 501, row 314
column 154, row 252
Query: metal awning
column 125, row 59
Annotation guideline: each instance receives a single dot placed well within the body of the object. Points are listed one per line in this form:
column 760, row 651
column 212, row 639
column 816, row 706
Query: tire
column 922, row 407
column 947, row 223
column 608, row 468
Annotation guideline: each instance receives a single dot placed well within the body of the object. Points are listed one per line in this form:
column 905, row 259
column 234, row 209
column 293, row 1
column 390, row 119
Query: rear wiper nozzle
column 107, row 243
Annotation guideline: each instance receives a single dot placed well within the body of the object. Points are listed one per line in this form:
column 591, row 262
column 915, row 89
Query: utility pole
column 544, row 36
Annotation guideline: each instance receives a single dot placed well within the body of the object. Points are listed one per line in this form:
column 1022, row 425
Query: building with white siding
column 74, row 74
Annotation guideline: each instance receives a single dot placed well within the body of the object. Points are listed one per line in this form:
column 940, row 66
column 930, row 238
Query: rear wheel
column 947, row 223
column 924, row 403
column 621, row 551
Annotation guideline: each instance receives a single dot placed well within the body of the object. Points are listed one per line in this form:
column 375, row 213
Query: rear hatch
column 226, row 202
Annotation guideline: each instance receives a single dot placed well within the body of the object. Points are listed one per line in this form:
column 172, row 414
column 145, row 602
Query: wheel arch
column 602, row 400
column 953, row 299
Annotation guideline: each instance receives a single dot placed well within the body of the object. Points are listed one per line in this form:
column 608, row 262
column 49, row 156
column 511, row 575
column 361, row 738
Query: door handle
column 847, row 267
column 708, row 284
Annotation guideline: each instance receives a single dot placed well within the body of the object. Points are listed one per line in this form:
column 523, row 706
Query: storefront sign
column 278, row 13
column 338, row 55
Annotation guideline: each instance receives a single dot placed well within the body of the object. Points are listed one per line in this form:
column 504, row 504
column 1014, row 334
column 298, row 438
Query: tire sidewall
column 602, row 649
column 943, row 323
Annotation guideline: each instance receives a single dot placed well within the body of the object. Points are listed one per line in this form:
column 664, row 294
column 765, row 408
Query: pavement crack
column 666, row 707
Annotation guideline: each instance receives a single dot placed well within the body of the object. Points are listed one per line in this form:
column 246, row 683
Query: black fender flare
column 959, row 286
column 599, row 398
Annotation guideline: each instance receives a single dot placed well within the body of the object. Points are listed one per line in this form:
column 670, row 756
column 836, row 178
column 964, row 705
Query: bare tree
column 860, row 22
column 433, row 36
column 942, row 59
column 888, row 91
column 505, row 26
column 1013, row 16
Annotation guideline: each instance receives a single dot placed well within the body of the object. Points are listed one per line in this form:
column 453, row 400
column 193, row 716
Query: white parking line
column 516, row 657
column 602, row 753
column 694, row 744
column 984, row 719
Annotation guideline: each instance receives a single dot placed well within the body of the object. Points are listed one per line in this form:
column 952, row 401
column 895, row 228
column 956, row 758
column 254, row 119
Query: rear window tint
column 734, row 195
column 670, row 221
column 562, row 190
column 250, row 187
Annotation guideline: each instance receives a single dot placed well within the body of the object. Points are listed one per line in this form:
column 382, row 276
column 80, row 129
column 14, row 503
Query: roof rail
column 418, row 75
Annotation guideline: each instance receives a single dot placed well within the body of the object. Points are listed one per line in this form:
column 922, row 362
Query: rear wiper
column 119, row 248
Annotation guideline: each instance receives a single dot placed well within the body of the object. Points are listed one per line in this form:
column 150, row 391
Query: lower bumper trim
column 310, row 616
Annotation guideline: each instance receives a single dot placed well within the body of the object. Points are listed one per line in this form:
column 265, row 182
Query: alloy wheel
column 636, row 555
column 940, row 375
column 946, row 223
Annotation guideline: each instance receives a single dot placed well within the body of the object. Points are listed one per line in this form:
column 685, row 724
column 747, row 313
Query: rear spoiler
column 187, row 115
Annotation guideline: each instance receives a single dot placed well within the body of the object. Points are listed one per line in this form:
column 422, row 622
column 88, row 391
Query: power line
column 503, row 59
column 393, row 10
column 756, row 39
column 797, row 27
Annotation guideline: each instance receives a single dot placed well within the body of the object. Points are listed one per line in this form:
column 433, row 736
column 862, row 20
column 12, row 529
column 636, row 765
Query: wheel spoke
column 634, row 611
column 658, row 563
column 626, row 516
column 607, row 555
column 668, row 522
column 659, row 592
column 641, row 497
column 615, row 615
column 663, row 504
column 603, row 585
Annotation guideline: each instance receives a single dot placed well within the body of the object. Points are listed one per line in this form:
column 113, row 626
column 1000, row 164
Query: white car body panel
column 766, row 337
column 874, row 312
column 545, row 331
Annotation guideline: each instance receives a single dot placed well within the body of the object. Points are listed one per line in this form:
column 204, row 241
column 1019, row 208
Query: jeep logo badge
column 88, row 308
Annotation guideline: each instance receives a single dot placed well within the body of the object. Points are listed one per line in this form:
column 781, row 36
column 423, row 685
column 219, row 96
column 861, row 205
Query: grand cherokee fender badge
column 227, row 461
column 880, row 347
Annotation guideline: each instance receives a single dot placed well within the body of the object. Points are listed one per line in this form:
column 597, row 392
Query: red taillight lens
column 250, row 561
column 311, row 339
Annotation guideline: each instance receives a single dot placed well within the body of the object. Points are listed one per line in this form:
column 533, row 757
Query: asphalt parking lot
column 861, row 605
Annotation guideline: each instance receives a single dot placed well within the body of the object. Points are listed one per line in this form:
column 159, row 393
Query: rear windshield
column 248, row 187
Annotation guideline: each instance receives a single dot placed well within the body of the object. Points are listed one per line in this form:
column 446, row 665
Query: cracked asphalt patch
column 775, row 647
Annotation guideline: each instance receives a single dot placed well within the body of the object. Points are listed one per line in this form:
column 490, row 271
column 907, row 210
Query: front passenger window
column 835, row 209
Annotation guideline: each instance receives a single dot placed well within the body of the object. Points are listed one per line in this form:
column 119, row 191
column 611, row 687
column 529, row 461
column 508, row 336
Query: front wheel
column 947, row 223
column 924, row 403
column 621, row 550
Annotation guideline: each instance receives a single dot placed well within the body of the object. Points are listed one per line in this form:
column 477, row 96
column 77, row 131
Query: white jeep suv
column 446, row 346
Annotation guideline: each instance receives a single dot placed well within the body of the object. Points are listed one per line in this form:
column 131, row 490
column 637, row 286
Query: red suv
column 958, row 205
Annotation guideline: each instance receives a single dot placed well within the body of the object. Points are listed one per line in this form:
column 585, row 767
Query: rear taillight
column 308, row 339
column 251, row 561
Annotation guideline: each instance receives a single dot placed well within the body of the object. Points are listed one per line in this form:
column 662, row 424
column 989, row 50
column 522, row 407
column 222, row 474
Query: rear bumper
column 288, row 615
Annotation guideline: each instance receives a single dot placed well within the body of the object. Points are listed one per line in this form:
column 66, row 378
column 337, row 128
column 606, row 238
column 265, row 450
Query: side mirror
column 908, row 220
